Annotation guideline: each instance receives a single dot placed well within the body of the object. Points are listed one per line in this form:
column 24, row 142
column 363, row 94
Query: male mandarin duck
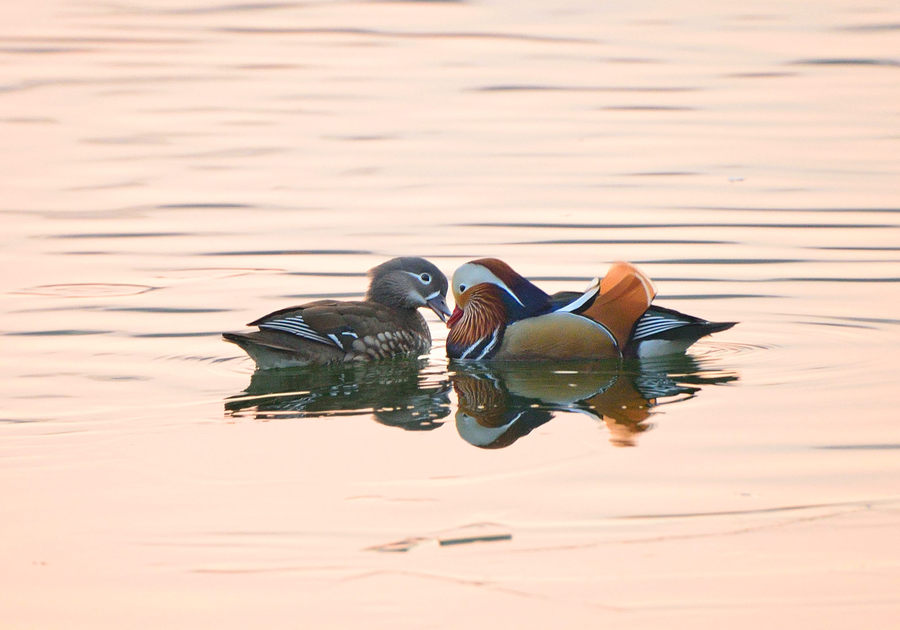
column 386, row 324
column 502, row 316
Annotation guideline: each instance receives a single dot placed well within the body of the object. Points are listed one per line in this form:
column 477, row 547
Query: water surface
column 173, row 170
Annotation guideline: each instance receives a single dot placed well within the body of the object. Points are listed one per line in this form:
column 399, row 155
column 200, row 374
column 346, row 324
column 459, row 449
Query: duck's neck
column 532, row 300
column 387, row 292
column 479, row 331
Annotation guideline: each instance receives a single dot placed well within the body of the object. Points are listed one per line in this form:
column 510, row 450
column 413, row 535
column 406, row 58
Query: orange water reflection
column 172, row 169
column 500, row 404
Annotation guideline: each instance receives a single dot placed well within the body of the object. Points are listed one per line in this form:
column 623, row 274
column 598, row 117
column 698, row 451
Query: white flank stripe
column 491, row 345
column 470, row 349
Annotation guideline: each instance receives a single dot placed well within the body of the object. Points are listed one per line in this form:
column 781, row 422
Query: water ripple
column 55, row 333
column 291, row 252
column 702, row 224
column 118, row 235
column 584, row 88
column 870, row 28
column 846, row 61
column 242, row 7
column 715, row 351
column 86, row 289
column 624, row 241
column 809, row 209
column 369, row 32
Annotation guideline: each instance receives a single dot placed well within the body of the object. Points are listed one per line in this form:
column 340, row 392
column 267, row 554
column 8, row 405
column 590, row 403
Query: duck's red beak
column 454, row 317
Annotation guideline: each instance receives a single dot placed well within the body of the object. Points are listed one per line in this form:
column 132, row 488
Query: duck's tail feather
column 666, row 323
column 272, row 349
column 662, row 331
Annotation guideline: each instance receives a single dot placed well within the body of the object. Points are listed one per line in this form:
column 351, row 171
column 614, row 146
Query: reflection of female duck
column 397, row 392
column 503, row 402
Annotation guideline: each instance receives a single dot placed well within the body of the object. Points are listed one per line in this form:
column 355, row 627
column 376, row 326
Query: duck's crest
column 533, row 301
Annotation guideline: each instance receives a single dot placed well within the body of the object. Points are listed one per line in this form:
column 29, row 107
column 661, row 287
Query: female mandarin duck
column 386, row 324
column 500, row 315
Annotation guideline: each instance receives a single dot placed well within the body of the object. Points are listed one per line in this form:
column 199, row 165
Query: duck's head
column 524, row 298
column 409, row 282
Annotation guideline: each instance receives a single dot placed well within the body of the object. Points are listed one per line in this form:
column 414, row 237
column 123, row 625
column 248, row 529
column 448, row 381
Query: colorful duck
column 500, row 315
column 386, row 324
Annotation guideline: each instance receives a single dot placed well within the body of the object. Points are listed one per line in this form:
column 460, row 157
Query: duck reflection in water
column 397, row 392
column 502, row 402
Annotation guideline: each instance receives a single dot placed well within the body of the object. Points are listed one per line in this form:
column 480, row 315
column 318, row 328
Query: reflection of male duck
column 397, row 392
column 502, row 402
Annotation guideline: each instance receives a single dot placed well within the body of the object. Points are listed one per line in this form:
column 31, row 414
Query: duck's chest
column 558, row 336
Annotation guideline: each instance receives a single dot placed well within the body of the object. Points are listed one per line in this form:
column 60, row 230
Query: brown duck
column 386, row 324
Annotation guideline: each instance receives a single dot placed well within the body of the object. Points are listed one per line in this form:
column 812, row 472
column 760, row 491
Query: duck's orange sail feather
column 625, row 293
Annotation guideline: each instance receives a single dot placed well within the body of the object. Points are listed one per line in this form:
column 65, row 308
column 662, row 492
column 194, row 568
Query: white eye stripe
column 424, row 277
column 471, row 274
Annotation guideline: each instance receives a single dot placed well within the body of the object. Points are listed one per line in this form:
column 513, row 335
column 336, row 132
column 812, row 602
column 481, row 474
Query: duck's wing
column 363, row 327
column 561, row 299
column 324, row 321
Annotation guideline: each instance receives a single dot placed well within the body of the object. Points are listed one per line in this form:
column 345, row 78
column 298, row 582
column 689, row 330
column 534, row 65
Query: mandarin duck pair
column 499, row 316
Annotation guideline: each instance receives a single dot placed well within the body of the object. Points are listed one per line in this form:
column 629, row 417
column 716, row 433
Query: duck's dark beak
column 439, row 306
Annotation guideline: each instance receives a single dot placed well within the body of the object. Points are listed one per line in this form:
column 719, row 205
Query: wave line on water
column 371, row 32
column 637, row 226
column 865, row 503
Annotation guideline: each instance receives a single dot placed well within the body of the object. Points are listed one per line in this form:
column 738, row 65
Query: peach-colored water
column 173, row 169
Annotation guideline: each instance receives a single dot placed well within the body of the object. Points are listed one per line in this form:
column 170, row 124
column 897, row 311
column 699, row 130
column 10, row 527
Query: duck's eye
column 462, row 288
column 425, row 278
